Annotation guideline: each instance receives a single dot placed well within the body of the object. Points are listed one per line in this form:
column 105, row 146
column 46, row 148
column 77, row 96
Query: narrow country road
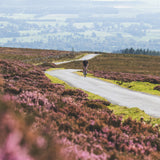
column 87, row 57
column 113, row 93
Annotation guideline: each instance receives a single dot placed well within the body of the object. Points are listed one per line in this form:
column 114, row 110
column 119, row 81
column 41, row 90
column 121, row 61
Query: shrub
column 157, row 88
column 1, row 83
column 126, row 77
column 20, row 142
column 97, row 104
column 89, row 128
column 76, row 93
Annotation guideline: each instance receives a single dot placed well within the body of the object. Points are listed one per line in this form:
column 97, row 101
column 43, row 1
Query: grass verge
column 145, row 87
column 52, row 69
column 135, row 113
column 56, row 80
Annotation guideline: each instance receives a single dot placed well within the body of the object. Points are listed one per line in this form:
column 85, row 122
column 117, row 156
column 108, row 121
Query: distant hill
column 34, row 55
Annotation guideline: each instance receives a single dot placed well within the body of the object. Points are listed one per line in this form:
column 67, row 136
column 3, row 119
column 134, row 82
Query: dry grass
column 139, row 64
column 34, row 55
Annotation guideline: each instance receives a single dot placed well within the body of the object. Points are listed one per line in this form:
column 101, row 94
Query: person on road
column 85, row 67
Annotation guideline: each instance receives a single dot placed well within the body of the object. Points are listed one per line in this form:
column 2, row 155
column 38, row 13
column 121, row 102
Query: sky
column 145, row 3
column 142, row 13
column 133, row 3
column 86, row 6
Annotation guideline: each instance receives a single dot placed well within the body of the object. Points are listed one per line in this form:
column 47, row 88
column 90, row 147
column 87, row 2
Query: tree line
column 140, row 51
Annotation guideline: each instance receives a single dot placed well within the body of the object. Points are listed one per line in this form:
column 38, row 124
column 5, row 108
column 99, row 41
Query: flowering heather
column 35, row 99
column 157, row 88
column 1, row 83
column 76, row 94
column 19, row 142
column 87, row 128
column 126, row 77
column 45, row 66
column 24, row 77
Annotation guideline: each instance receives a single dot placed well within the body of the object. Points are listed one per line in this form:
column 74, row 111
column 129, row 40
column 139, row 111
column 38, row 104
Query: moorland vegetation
column 64, row 121
column 124, row 69
column 35, row 56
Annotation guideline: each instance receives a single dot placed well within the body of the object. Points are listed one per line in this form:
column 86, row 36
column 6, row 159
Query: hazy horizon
column 135, row 23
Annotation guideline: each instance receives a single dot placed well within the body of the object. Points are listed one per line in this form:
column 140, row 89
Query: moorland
column 137, row 72
column 42, row 119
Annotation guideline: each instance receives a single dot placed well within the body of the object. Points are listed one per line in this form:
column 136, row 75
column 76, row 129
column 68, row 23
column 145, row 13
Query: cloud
column 145, row 4
column 115, row 0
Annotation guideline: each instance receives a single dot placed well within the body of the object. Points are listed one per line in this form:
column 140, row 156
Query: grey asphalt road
column 113, row 93
column 87, row 57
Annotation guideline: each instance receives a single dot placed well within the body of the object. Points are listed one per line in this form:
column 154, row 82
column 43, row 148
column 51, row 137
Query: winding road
column 114, row 93
column 86, row 57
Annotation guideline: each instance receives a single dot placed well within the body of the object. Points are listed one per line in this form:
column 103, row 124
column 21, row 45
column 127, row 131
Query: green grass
column 135, row 113
column 145, row 87
column 58, row 81
column 92, row 96
column 52, row 69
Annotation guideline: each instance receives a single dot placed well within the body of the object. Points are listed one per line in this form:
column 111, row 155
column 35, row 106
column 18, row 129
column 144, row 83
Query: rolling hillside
column 64, row 121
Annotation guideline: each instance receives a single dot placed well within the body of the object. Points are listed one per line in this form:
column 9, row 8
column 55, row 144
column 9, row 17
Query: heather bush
column 35, row 99
column 45, row 66
column 87, row 128
column 157, row 88
column 1, row 83
column 97, row 103
column 12, row 89
column 24, row 77
column 19, row 142
column 126, row 77
column 76, row 94
column 106, row 103
column 95, row 125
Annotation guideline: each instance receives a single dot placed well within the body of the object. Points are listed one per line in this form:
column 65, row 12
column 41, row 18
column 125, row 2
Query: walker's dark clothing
column 85, row 63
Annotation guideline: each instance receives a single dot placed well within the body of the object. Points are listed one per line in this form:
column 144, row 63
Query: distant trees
column 140, row 51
